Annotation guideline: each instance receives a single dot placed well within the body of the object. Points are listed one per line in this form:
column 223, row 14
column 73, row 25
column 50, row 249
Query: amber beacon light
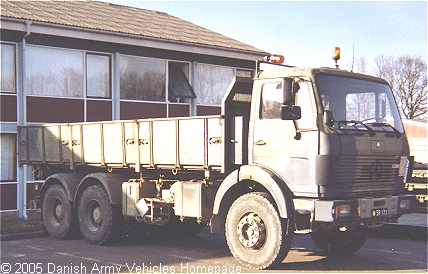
column 336, row 55
column 274, row 59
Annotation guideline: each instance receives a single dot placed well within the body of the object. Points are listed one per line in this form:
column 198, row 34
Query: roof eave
column 125, row 38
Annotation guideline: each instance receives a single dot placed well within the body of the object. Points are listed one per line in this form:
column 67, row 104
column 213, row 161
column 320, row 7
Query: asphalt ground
column 412, row 226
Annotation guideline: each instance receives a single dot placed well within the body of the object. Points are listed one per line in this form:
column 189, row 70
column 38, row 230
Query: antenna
column 353, row 58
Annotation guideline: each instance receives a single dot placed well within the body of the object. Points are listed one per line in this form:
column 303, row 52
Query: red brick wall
column 8, row 108
column 54, row 110
column 208, row 110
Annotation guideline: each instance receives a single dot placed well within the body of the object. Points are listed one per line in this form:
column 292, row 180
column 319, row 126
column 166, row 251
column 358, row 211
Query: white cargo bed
column 194, row 142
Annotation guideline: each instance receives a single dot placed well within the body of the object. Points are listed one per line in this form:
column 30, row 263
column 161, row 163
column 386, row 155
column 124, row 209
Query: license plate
column 379, row 212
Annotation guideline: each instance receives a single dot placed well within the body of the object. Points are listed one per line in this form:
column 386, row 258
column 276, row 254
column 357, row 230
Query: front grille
column 373, row 170
column 361, row 176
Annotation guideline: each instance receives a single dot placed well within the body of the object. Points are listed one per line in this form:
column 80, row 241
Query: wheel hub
column 97, row 215
column 59, row 211
column 251, row 231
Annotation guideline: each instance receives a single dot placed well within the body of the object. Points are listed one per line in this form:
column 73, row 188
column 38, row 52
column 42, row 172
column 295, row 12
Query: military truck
column 295, row 150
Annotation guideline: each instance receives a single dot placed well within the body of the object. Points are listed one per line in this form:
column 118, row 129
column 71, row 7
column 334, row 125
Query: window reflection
column 97, row 75
column 142, row 78
column 272, row 100
column 8, row 157
column 212, row 83
column 54, row 72
column 304, row 100
column 8, row 83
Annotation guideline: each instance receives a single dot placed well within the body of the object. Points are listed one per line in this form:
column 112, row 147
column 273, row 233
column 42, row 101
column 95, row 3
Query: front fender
column 276, row 187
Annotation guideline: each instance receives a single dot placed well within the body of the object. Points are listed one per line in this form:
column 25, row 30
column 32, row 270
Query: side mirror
column 291, row 112
column 328, row 118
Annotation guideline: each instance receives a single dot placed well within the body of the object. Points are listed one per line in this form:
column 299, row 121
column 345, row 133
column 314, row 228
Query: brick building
column 84, row 61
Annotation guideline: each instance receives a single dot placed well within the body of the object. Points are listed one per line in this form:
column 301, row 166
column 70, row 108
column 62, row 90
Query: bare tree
column 408, row 78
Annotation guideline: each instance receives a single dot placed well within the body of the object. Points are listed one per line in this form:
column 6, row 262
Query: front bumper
column 363, row 208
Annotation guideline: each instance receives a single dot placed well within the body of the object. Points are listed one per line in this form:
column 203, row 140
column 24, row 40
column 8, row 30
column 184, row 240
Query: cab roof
column 312, row 72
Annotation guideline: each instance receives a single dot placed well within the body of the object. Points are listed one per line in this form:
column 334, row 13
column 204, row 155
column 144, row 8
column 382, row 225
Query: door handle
column 260, row 143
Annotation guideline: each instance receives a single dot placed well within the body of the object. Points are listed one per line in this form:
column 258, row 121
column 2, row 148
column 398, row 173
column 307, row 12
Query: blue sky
column 305, row 32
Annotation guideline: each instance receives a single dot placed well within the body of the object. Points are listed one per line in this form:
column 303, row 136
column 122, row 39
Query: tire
column 255, row 233
column 58, row 216
column 336, row 242
column 99, row 220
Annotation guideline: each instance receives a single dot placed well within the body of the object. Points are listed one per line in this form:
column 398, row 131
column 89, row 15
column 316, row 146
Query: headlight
column 405, row 205
column 342, row 210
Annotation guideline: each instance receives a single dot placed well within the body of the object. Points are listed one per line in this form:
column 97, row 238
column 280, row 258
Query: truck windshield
column 358, row 104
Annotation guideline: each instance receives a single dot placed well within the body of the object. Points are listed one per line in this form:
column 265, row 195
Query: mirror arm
column 298, row 135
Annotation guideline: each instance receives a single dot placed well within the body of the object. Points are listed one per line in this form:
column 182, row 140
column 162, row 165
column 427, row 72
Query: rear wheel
column 257, row 236
column 99, row 219
column 58, row 215
column 336, row 242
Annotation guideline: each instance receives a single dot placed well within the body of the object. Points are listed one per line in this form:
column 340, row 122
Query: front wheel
column 99, row 220
column 256, row 235
column 336, row 242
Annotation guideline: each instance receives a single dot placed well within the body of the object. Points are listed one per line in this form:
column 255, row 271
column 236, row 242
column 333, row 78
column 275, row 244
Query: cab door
column 287, row 147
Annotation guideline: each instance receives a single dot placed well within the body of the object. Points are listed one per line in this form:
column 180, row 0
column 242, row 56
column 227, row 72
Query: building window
column 212, row 83
column 97, row 75
column 8, row 157
column 244, row 73
column 179, row 88
column 142, row 78
column 54, row 72
column 8, row 80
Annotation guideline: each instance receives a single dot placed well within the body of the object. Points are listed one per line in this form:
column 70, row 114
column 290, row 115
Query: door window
column 272, row 100
column 304, row 101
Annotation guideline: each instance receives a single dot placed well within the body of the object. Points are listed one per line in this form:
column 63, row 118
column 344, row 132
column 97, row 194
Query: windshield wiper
column 396, row 131
column 371, row 130
column 336, row 129
column 354, row 122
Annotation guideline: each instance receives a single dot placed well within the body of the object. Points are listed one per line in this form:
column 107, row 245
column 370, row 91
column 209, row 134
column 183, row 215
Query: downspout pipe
column 21, row 119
